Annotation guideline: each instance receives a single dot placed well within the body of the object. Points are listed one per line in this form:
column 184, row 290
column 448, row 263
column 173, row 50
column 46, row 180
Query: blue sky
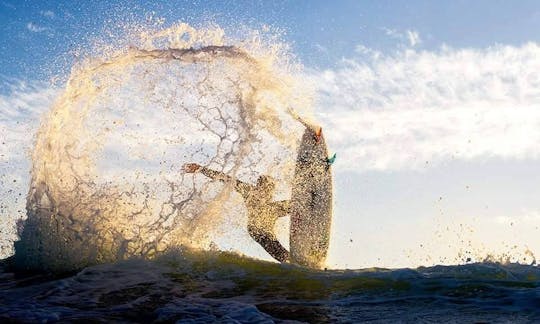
column 35, row 33
column 432, row 107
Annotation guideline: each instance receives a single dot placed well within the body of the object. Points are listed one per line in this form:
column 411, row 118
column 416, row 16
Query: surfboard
column 311, row 201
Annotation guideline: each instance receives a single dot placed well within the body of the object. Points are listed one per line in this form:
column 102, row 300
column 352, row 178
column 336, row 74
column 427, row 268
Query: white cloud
column 20, row 110
column 363, row 50
column 392, row 32
column 320, row 48
column 413, row 37
column 399, row 111
column 47, row 13
column 410, row 36
column 35, row 28
column 526, row 217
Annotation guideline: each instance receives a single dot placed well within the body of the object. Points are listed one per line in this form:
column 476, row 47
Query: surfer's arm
column 242, row 187
column 239, row 186
column 282, row 207
column 215, row 175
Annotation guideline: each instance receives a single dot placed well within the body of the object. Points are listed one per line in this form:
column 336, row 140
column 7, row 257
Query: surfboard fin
column 331, row 160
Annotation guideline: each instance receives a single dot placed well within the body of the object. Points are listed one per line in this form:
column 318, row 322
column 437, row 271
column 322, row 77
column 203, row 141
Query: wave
column 218, row 286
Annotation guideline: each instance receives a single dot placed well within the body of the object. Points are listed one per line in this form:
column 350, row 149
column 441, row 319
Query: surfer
column 262, row 210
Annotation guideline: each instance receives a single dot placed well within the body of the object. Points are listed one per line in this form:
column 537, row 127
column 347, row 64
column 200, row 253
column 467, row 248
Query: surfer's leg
column 270, row 243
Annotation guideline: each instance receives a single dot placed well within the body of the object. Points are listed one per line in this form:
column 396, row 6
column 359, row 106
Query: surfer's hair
column 265, row 180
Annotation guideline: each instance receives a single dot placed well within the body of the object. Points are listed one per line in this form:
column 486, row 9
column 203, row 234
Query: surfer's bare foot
column 191, row 167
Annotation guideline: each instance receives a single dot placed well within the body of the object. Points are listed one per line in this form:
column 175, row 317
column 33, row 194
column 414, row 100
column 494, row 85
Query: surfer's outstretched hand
column 191, row 167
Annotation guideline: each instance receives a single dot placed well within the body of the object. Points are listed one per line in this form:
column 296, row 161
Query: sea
column 189, row 286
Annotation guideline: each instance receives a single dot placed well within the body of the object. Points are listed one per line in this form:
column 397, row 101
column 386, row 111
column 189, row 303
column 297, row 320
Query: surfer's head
column 266, row 182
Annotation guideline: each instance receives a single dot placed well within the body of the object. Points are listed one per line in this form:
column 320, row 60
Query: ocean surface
column 219, row 287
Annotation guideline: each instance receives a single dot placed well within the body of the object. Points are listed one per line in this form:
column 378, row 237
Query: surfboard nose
column 318, row 134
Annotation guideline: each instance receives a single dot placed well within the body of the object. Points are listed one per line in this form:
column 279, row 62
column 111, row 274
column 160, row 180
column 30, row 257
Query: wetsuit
column 262, row 212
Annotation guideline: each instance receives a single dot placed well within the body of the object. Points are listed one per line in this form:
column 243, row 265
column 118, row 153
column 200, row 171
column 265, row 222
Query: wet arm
column 282, row 207
column 241, row 187
column 215, row 175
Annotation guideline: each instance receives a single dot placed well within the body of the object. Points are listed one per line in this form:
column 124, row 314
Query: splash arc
column 106, row 180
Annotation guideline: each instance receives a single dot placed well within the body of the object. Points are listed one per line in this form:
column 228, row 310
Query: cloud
column 35, row 28
column 366, row 51
column 411, row 36
column 21, row 105
column 525, row 217
column 393, row 112
column 47, row 13
column 20, row 110
column 320, row 48
column 392, row 32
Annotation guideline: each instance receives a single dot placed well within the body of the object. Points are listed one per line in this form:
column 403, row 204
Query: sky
column 432, row 108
